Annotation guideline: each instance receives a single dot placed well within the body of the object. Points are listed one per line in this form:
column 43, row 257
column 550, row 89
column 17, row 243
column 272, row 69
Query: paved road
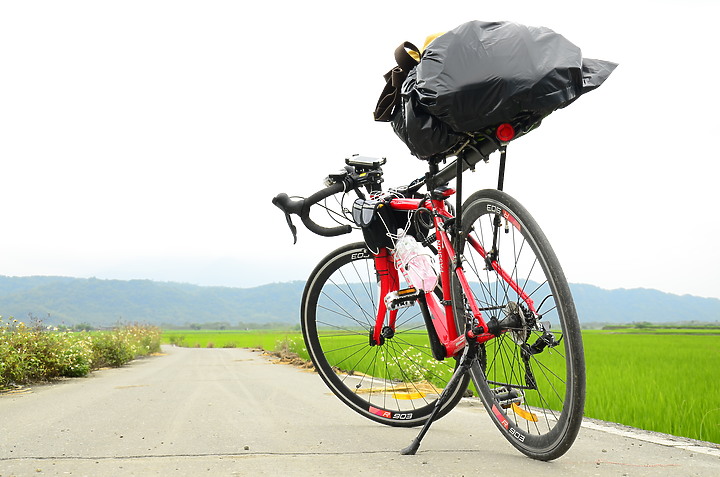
column 233, row 412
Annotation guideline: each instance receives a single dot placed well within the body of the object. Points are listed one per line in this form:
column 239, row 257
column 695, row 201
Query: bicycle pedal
column 507, row 397
column 401, row 298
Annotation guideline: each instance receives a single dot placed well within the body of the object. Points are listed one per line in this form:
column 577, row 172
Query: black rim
column 531, row 377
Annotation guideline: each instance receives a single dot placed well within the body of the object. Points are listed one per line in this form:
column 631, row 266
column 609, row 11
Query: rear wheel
column 531, row 377
column 396, row 382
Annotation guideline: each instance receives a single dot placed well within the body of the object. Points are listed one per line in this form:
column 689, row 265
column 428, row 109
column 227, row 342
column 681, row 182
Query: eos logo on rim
column 494, row 209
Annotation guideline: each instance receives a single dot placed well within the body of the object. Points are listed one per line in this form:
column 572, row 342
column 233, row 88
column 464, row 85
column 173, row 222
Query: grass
column 30, row 354
column 267, row 340
column 662, row 382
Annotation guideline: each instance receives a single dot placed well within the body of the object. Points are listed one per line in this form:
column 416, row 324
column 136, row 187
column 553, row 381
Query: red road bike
column 500, row 321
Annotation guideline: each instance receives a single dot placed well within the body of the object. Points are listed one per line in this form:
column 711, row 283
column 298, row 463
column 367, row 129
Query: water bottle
column 415, row 263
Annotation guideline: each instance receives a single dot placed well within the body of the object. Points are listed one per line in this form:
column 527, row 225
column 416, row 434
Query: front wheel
column 396, row 382
column 531, row 376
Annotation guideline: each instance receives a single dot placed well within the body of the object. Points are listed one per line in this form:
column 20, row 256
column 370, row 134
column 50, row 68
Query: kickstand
column 469, row 353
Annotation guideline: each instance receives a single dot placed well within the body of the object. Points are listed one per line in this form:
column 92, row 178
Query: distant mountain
column 62, row 300
column 640, row 304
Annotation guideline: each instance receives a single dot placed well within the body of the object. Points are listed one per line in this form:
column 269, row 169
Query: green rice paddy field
column 659, row 380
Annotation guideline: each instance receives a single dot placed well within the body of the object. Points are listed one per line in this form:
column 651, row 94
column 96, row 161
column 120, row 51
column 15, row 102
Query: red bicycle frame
column 442, row 312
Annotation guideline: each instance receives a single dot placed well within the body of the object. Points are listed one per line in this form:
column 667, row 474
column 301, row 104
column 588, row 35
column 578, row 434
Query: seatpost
column 501, row 172
column 430, row 179
column 498, row 222
column 458, row 211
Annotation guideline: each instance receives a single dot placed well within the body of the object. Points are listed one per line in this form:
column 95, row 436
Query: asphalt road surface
column 234, row 412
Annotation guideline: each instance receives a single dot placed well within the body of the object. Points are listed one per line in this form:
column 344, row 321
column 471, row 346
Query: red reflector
column 505, row 132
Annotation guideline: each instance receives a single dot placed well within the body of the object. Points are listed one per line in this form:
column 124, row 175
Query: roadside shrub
column 27, row 354
column 145, row 339
column 36, row 353
column 286, row 346
column 74, row 359
column 124, row 344
column 110, row 349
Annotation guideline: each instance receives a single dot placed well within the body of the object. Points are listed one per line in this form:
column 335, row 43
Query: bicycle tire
column 395, row 383
column 535, row 396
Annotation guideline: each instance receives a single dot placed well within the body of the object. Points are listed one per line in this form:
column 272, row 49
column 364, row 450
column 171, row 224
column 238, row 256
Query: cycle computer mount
column 363, row 163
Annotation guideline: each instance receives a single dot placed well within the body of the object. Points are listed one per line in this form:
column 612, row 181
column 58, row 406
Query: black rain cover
column 482, row 74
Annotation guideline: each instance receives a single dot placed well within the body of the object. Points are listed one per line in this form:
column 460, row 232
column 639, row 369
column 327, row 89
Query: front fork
column 437, row 311
column 433, row 312
column 387, row 275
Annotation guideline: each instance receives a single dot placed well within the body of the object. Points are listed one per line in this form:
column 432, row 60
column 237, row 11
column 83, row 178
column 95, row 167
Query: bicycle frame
column 379, row 362
column 442, row 313
column 532, row 391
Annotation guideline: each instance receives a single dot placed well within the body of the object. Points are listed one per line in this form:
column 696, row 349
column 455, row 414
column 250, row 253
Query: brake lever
column 293, row 229
column 284, row 203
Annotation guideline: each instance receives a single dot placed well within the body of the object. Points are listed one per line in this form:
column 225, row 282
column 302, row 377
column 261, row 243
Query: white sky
column 145, row 139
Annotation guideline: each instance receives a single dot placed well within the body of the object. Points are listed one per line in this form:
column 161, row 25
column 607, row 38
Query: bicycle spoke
column 524, row 374
column 394, row 380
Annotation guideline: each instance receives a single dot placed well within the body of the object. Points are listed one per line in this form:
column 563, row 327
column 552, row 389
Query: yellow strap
column 428, row 40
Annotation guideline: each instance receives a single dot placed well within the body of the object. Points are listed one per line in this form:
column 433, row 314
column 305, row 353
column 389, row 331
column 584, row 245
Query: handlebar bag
column 376, row 221
column 379, row 222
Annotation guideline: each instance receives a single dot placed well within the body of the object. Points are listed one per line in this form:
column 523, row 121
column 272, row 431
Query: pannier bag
column 478, row 76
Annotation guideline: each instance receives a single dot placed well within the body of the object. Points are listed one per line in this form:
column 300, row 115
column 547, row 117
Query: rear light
column 505, row 132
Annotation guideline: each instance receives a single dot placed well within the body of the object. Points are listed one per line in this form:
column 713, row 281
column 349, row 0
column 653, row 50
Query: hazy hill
column 58, row 300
